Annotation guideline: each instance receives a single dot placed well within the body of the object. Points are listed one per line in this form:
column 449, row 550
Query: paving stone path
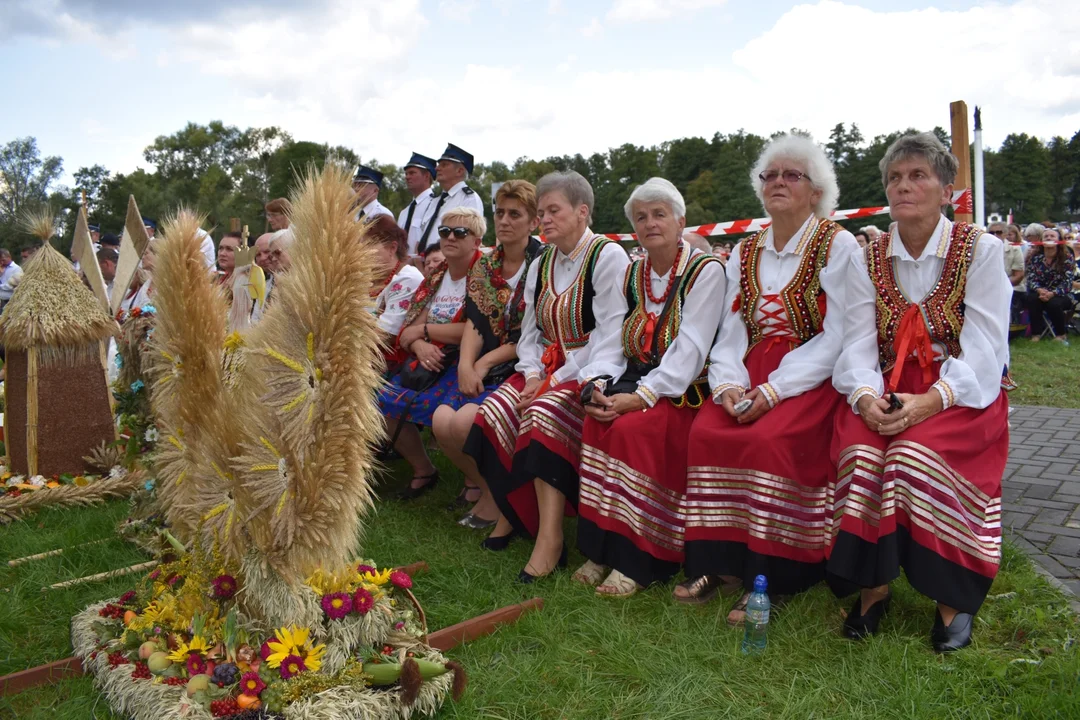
column 1041, row 490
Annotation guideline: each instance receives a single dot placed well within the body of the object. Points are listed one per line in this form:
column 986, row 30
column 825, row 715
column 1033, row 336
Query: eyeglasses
column 459, row 232
column 998, row 233
column 790, row 176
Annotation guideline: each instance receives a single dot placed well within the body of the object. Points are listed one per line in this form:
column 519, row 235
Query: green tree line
column 225, row 172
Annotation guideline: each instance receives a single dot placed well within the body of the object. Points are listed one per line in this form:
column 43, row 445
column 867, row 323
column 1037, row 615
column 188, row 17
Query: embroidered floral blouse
column 1041, row 276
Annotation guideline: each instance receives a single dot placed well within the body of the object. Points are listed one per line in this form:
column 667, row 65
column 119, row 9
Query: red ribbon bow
column 913, row 337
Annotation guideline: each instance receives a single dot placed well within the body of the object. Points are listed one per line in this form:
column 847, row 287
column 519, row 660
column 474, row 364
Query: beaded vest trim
column 567, row 316
column 942, row 308
column 667, row 327
column 803, row 298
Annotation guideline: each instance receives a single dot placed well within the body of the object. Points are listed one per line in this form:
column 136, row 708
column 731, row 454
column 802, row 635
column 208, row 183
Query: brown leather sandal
column 699, row 590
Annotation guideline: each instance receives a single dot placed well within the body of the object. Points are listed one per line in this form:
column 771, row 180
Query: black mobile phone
column 894, row 403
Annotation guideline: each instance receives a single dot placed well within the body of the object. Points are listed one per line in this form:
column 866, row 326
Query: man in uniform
column 366, row 184
column 419, row 175
column 451, row 171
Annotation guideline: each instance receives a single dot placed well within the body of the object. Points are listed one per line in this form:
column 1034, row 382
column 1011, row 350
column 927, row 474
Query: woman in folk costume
column 526, row 440
column 633, row 456
column 758, row 462
column 494, row 309
column 432, row 333
column 921, row 452
column 393, row 286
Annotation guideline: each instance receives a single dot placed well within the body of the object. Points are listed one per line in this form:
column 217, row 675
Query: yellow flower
column 81, row 481
column 197, row 644
column 289, row 642
column 376, row 578
column 313, row 660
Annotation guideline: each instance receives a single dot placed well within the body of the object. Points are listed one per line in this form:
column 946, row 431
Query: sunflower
column 197, row 645
column 376, row 578
column 288, row 641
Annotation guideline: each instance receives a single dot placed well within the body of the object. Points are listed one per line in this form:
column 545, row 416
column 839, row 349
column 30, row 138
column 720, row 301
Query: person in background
column 432, row 260
column 367, row 184
column 113, row 241
column 226, row 258
column 494, row 310
column 95, row 233
column 634, row 440
column 873, row 232
column 419, row 175
column 1050, row 269
column 1014, row 264
column 920, row 453
column 107, row 259
column 393, row 286
column 28, row 252
column 451, row 171
column 1032, row 239
column 695, row 241
column 862, row 238
column 9, row 276
column 758, row 472
column 277, row 213
column 280, row 244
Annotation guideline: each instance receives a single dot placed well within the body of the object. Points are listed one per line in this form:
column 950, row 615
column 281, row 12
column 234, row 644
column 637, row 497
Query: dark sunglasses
column 790, row 176
column 998, row 233
column 459, row 232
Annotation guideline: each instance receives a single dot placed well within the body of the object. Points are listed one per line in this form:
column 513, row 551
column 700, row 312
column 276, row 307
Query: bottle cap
column 760, row 584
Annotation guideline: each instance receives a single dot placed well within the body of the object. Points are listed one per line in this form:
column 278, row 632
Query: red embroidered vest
column 943, row 307
column 567, row 316
column 803, row 298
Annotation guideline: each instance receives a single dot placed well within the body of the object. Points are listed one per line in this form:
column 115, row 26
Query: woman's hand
column 601, row 407
column 627, row 402
column 916, row 409
column 528, row 393
column 410, row 335
column 1044, row 294
column 759, row 408
column 470, row 380
column 728, row 398
column 874, row 412
column 430, row 357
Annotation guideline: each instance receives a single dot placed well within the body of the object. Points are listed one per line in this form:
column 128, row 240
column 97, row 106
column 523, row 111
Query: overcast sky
column 97, row 80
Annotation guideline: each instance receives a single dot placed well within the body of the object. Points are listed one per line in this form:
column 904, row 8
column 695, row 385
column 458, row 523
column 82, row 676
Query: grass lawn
column 646, row 657
column 1047, row 372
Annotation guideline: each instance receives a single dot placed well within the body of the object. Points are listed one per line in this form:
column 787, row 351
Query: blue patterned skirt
column 394, row 401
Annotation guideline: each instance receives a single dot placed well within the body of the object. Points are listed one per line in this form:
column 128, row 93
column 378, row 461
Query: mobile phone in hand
column 894, row 403
column 743, row 405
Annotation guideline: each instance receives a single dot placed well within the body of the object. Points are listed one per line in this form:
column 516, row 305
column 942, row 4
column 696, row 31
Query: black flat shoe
column 858, row 626
column 527, row 579
column 500, row 543
column 475, row 522
column 411, row 493
column 954, row 637
column 462, row 498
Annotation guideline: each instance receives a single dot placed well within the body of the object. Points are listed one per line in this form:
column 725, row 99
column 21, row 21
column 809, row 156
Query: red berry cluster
column 126, row 597
column 115, row 612
column 224, row 708
column 118, row 658
column 142, row 672
column 175, row 681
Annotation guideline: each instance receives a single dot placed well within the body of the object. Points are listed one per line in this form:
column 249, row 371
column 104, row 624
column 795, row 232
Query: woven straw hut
column 55, row 334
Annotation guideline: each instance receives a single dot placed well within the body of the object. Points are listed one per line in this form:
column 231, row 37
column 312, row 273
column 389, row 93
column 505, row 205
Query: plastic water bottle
column 757, row 619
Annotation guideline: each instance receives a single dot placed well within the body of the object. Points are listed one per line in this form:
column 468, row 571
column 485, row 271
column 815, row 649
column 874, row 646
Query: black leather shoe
column 954, row 637
column 526, row 579
column 500, row 543
column 411, row 493
column 858, row 626
column 462, row 499
column 475, row 522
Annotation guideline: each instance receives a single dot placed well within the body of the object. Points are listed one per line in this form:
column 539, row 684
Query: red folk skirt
column 927, row 500
column 756, row 494
column 633, row 476
column 511, row 450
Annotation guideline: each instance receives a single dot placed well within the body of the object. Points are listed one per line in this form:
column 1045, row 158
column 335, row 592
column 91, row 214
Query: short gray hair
column 571, row 184
column 698, row 242
column 283, row 239
column 1034, row 230
column 926, row 146
column 656, row 189
column 819, row 170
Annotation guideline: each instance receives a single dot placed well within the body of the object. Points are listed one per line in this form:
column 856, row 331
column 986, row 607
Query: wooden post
column 958, row 113
column 31, row 411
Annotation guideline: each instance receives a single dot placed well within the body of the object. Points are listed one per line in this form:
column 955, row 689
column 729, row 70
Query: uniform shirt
column 974, row 377
column 393, row 302
column 608, row 307
column 423, row 207
column 461, row 195
column 372, row 210
column 808, row 365
column 685, row 357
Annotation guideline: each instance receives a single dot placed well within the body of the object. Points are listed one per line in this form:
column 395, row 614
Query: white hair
column 1034, row 230
column 282, row 239
column 698, row 242
column 656, row 189
column 819, row 170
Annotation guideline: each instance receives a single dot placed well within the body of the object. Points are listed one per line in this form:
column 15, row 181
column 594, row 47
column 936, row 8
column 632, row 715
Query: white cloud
column 555, row 7
column 646, row 10
column 593, row 29
column 457, row 9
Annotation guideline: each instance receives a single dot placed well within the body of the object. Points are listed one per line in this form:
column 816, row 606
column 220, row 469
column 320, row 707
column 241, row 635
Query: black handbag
column 418, row 378
column 500, row 373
